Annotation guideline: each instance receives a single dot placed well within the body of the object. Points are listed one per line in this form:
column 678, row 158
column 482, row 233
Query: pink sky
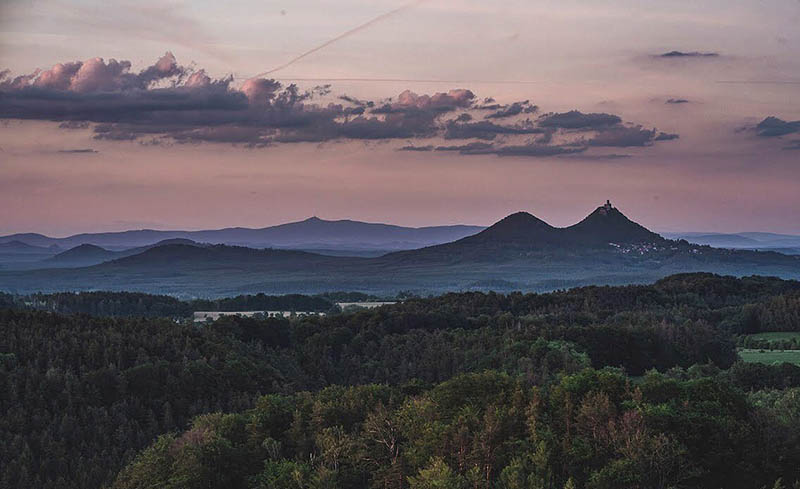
column 719, row 176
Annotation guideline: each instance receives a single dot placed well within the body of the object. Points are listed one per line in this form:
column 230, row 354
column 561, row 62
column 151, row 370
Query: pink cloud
column 460, row 97
column 97, row 75
column 59, row 77
column 260, row 91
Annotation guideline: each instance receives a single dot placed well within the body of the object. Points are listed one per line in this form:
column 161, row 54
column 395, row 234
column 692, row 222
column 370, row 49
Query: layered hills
column 85, row 255
column 311, row 233
column 519, row 252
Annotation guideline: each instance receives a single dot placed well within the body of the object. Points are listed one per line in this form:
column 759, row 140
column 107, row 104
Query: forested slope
column 592, row 429
column 81, row 394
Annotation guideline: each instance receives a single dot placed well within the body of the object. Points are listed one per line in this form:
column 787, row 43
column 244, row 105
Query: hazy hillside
column 87, row 255
column 312, row 233
column 17, row 254
column 783, row 243
column 520, row 252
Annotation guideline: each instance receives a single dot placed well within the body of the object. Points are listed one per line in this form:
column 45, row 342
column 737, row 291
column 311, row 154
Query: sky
column 201, row 114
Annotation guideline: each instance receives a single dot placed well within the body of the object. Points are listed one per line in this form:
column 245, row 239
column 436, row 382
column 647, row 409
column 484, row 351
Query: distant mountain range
column 520, row 252
column 312, row 233
column 783, row 243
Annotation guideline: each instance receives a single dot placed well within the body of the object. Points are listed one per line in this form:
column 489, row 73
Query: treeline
column 134, row 304
column 768, row 344
column 779, row 313
column 759, row 303
column 81, row 394
column 592, row 429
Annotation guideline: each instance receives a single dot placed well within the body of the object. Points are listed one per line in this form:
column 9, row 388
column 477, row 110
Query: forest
column 597, row 387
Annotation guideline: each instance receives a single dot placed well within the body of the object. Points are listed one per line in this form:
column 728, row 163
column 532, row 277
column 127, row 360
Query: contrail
column 341, row 36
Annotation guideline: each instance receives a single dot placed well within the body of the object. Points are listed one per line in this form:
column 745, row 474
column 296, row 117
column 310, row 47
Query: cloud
column 531, row 149
column 16, row 83
column 535, row 149
column 110, row 132
column 355, row 101
column 629, row 136
column 624, row 137
column 74, row 125
column 578, row 120
column 438, row 102
column 416, row 148
column 773, row 127
column 514, row 109
column 676, row 101
column 687, row 54
column 260, row 91
column 663, row 136
column 82, row 150
column 250, row 136
column 96, row 75
column 469, row 148
column 167, row 103
column 485, row 130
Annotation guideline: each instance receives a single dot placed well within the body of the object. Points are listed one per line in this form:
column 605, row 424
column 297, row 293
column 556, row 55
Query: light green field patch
column 770, row 356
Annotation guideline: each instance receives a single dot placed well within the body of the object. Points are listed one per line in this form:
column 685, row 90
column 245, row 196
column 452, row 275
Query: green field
column 770, row 356
column 775, row 336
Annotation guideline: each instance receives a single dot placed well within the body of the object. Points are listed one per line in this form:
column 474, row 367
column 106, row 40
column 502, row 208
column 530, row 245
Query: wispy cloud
column 688, row 54
column 341, row 36
column 78, row 151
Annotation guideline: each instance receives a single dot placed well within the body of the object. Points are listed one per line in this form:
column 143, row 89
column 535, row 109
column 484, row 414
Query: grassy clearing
column 770, row 356
column 775, row 336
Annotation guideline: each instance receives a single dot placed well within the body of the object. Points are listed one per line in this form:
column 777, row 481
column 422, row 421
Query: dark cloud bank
column 169, row 103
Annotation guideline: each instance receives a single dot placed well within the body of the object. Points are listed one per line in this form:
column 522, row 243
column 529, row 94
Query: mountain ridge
column 309, row 233
column 521, row 234
column 519, row 252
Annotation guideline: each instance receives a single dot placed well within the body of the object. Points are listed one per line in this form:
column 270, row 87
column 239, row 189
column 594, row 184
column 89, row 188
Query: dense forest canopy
column 461, row 390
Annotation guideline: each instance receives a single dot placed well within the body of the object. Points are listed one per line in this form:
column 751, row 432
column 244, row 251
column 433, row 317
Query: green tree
column 437, row 475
